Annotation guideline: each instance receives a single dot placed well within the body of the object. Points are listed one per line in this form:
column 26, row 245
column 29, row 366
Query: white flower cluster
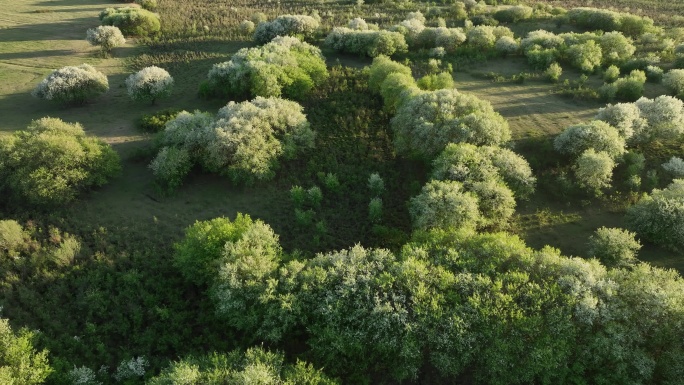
column 358, row 24
column 135, row 367
column 72, row 84
column 150, row 83
column 83, row 376
column 674, row 80
column 285, row 25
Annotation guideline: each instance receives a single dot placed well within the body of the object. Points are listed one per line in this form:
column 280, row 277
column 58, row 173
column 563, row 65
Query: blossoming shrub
column 132, row 21
column 366, row 42
column 72, row 85
column 106, row 37
column 659, row 216
column 149, row 84
column 300, row 26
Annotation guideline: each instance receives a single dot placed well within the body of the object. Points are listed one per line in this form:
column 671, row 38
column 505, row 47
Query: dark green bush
column 155, row 122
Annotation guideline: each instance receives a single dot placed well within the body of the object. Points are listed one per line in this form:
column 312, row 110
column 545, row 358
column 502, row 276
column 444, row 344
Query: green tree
column 614, row 247
column 20, row 363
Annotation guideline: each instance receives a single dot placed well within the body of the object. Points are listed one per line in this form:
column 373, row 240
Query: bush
column 427, row 122
column 663, row 119
column 375, row 210
column 171, row 165
column 381, row 68
column 506, row 45
column 675, row 166
column 51, row 162
column 132, row 21
column 149, row 84
column 616, row 48
column 605, row 20
column 659, row 217
column 246, row 27
column 284, row 67
column 554, row 72
column 674, row 81
column 376, row 185
column 197, row 256
column 513, row 14
column 157, row 121
column 434, row 82
column 654, row 74
column 625, row 117
column 11, row 238
column 630, row 88
column 614, row 247
column 366, row 42
column 150, row 5
column 611, row 74
column 300, row 26
column 21, row 364
column 107, row 37
column 255, row 366
column 585, row 56
column 595, row 134
column 594, row 170
column 445, row 205
column 72, row 85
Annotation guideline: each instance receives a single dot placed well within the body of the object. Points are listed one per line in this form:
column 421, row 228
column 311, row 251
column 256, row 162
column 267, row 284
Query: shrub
column 248, row 138
column 381, row 68
column 513, row 14
column 397, row 88
column 107, row 37
column 605, row 20
column 611, row 74
column 675, row 166
column 543, row 39
column 554, row 72
column 358, row 24
column 72, row 85
column 654, row 74
column 444, row 204
column 586, row 56
column 427, row 122
column 630, row 88
column 301, row 26
column 376, row 184
column 375, row 210
column 197, row 256
column 149, row 84
column 366, row 42
column 614, row 247
column 507, row 45
column 246, row 27
column 157, row 121
column 663, row 117
column 481, row 37
column 150, row 5
column 616, row 48
column 284, row 67
column 19, row 360
column 132, row 21
column 594, row 170
column 51, row 162
column 171, row 165
column 659, row 217
column 11, row 238
column 433, row 82
column 496, row 203
column 674, row 81
column 255, row 366
column 595, row 134
column 625, row 117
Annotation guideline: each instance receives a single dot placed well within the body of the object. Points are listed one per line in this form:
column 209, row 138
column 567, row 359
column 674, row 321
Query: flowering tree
column 427, row 122
column 659, row 217
column 72, row 85
column 107, row 37
column 444, row 204
column 674, row 80
column 614, row 247
column 150, row 83
column 301, row 26
column 595, row 134
column 594, row 170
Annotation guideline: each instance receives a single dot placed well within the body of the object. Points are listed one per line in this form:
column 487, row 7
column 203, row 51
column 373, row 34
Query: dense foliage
column 20, row 363
column 366, row 42
column 284, row 67
column 72, row 85
column 132, row 21
column 52, row 162
column 244, row 141
column 299, row 26
column 659, row 217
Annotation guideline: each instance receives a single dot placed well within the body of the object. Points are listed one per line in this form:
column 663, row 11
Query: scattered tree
column 107, row 37
column 300, row 26
column 132, row 21
column 659, row 217
column 149, row 84
column 595, row 134
column 614, row 247
column 444, row 204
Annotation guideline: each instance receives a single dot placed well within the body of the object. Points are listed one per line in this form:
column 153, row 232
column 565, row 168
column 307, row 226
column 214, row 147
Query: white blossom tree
column 106, row 37
column 149, row 84
column 72, row 85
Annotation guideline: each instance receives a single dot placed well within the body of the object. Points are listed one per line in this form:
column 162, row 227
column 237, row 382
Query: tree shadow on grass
column 72, row 29
column 35, row 54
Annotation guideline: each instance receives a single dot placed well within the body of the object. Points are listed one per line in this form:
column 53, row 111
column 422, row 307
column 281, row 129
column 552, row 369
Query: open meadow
column 366, row 193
